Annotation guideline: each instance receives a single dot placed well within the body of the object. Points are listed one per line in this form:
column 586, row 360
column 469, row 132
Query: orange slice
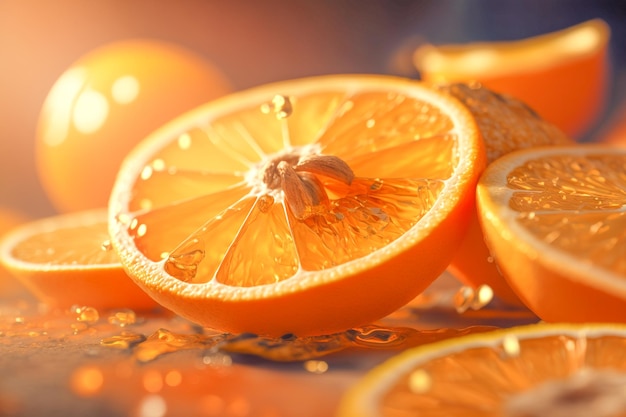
column 306, row 207
column 563, row 75
column 506, row 124
column 62, row 261
column 9, row 219
column 555, row 221
column 535, row 370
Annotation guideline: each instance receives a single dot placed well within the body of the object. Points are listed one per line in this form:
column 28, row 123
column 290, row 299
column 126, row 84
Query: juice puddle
column 84, row 361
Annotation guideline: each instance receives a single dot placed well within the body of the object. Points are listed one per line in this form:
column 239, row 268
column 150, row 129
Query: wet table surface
column 83, row 362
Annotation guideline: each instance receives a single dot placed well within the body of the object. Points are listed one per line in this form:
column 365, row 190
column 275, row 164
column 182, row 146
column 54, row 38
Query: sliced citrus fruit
column 555, row 221
column 9, row 219
column 506, row 124
column 563, row 75
column 63, row 262
column 528, row 371
column 307, row 206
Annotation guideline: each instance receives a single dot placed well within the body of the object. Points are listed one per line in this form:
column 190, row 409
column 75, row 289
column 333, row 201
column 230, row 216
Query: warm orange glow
column 87, row 381
column 152, row 381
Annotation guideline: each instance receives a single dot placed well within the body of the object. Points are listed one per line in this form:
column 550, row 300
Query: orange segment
column 534, row 370
column 506, row 124
column 563, row 75
column 63, row 262
column 307, row 206
column 555, row 220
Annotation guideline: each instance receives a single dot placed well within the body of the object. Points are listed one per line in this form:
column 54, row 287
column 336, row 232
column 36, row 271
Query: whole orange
column 106, row 102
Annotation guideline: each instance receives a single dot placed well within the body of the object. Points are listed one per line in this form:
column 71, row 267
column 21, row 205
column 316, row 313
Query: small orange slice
column 563, row 75
column 555, row 221
column 63, row 262
column 9, row 219
column 534, row 370
column 306, row 207
column 614, row 131
column 506, row 124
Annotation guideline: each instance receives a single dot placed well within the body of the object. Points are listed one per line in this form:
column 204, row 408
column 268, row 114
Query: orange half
column 66, row 260
column 555, row 221
column 306, row 207
column 563, row 75
column 534, row 370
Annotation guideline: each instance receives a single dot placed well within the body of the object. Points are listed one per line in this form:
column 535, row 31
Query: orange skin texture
column 64, row 289
column 571, row 96
column 342, row 306
column 570, row 92
column 473, row 249
column 553, row 296
column 79, row 172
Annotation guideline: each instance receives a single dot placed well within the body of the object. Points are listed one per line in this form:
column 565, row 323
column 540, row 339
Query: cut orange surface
column 9, row 218
column 65, row 260
column 104, row 104
column 563, row 75
column 306, row 207
column 506, row 125
column 537, row 370
column 555, row 221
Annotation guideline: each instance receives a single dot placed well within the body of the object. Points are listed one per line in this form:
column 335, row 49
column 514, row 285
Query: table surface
column 83, row 362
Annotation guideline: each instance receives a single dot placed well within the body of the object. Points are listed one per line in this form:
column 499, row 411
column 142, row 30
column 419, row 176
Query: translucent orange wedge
column 555, row 221
column 307, row 207
column 65, row 261
column 537, row 370
column 563, row 75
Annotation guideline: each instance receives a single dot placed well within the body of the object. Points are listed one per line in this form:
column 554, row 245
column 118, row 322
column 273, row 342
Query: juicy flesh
column 577, row 204
column 488, row 381
column 233, row 219
column 80, row 245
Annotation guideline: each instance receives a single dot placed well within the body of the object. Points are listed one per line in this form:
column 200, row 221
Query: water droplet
column 122, row 318
column 183, row 263
column 472, row 298
column 316, row 366
column 125, row 340
column 184, row 141
column 511, row 346
column 106, row 245
column 420, row 381
column 87, row 315
column 280, row 105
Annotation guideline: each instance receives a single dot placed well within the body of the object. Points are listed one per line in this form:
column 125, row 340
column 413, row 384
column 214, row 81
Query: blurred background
column 254, row 42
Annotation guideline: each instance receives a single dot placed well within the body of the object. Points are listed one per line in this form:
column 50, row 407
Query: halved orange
column 9, row 219
column 528, row 371
column 563, row 75
column 306, row 207
column 506, row 124
column 555, row 221
column 63, row 262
